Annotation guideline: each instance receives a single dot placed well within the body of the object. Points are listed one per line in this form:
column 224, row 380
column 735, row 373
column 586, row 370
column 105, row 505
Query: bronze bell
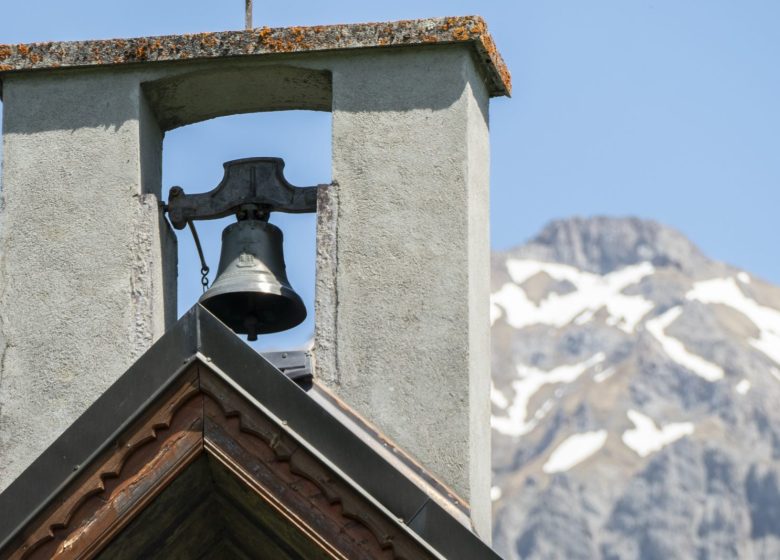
column 251, row 293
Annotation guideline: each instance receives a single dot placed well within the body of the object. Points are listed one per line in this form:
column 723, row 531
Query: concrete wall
column 87, row 266
column 403, row 279
column 402, row 288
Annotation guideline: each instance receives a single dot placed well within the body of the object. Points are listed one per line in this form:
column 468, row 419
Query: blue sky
column 666, row 109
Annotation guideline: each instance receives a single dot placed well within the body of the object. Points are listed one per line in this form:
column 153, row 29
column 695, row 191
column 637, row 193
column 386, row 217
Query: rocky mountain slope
column 636, row 398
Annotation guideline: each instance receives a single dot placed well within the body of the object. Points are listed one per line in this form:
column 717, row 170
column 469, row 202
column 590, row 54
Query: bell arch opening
column 245, row 108
column 192, row 158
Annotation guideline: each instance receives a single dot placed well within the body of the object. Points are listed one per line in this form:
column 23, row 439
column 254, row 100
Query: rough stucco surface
column 402, row 322
column 223, row 91
column 82, row 248
column 478, row 208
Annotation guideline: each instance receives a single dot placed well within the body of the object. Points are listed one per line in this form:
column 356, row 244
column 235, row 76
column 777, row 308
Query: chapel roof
column 204, row 437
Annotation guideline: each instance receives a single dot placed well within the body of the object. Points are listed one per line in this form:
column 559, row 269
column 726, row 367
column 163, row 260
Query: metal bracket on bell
column 257, row 181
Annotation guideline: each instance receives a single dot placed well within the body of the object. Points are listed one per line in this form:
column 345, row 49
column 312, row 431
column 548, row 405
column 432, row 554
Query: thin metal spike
column 248, row 18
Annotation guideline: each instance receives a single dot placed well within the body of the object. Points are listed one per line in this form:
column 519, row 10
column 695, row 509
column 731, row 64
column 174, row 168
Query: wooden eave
column 202, row 392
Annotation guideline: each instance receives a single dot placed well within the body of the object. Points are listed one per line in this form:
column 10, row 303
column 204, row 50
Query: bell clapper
column 250, row 324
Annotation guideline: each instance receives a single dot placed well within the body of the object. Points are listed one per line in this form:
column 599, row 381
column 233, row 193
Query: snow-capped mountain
column 635, row 398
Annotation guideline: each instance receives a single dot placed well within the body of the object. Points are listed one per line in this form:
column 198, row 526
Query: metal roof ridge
column 393, row 453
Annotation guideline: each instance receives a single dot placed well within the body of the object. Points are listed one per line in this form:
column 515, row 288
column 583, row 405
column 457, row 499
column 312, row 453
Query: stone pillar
column 87, row 264
column 403, row 259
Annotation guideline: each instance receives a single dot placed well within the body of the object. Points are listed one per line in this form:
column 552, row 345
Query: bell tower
column 88, row 260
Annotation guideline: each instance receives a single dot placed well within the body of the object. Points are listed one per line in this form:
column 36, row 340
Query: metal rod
column 204, row 269
column 248, row 18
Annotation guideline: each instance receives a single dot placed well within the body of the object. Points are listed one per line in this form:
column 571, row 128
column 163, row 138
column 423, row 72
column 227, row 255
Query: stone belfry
column 88, row 260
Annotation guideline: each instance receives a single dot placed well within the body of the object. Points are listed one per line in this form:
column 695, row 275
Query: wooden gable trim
column 199, row 414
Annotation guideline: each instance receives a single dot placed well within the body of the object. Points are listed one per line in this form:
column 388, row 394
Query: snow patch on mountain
column 593, row 292
column 495, row 312
column 516, row 423
column 646, row 438
column 574, row 450
column 743, row 387
column 677, row 351
column 725, row 291
column 602, row 376
column 497, row 397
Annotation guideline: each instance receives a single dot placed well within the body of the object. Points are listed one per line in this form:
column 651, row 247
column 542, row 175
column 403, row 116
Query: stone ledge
column 265, row 41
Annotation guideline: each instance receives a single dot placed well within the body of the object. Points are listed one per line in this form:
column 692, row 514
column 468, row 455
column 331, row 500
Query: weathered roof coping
column 264, row 41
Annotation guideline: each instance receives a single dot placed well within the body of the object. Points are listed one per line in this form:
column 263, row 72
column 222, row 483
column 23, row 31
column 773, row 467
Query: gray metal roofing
column 199, row 335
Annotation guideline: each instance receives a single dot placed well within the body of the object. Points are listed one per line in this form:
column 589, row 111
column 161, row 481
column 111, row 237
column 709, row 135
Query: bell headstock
column 253, row 181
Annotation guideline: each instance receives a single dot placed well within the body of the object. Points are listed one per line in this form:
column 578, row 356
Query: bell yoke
column 251, row 293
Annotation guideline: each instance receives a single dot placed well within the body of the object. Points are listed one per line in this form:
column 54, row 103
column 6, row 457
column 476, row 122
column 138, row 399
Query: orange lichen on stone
column 5, row 67
column 449, row 22
column 209, row 41
column 268, row 41
column 461, row 34
column 478, row 26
